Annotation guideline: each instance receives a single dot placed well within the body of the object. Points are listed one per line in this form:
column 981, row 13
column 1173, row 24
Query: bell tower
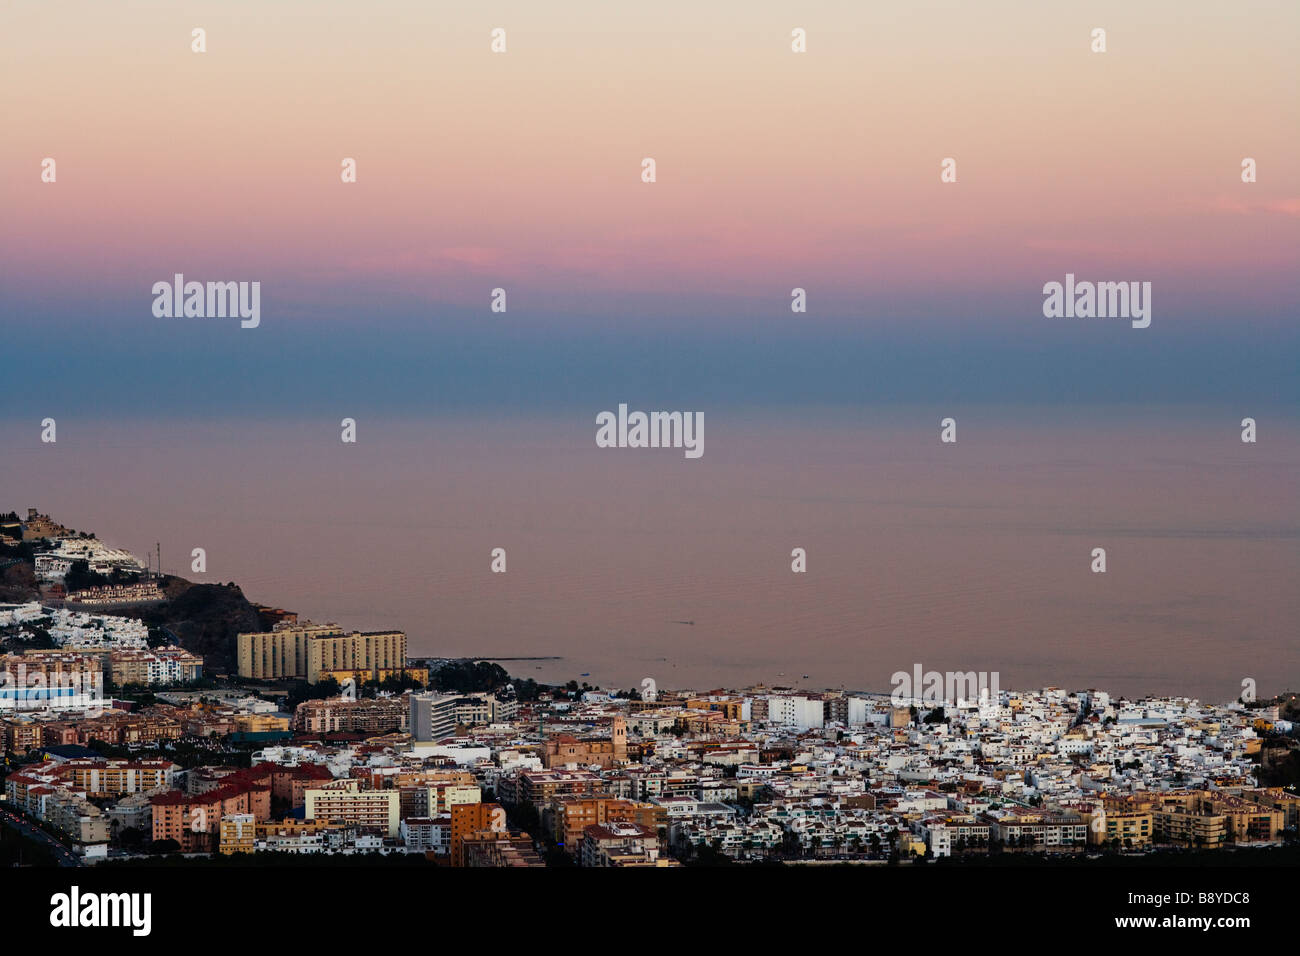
column 618, row 735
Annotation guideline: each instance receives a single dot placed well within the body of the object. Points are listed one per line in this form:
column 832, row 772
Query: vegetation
column 22, row 551
column 393, row 684
column 467, row 677
column 80, row 577
column 302, row 691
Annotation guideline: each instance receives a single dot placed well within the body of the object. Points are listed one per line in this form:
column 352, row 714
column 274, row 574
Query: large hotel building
column 314, row 652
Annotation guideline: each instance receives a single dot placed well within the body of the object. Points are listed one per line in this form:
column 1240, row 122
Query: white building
column 427, row 834
column 74, row 695
column 77, row 629
column 21, row 613
column 54, row 565
column 795, row 711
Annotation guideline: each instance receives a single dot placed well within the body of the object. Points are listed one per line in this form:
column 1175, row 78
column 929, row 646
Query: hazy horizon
column 973, row 556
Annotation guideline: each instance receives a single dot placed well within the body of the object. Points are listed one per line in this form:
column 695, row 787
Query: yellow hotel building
column 312, row 652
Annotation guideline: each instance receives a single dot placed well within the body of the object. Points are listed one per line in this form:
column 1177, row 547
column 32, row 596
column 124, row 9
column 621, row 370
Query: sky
column 775, row 170
column 521, row 170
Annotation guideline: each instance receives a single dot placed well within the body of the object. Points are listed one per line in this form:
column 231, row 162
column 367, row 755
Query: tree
column 302, row 691
column 468, row 677
column 79, row 577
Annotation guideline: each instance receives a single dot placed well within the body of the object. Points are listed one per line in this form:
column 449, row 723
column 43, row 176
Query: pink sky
column 774, row 169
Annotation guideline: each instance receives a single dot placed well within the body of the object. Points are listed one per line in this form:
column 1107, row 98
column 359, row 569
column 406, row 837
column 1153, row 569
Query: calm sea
column 973, row 556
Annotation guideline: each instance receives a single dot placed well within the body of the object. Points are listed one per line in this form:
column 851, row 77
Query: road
column 62, row 854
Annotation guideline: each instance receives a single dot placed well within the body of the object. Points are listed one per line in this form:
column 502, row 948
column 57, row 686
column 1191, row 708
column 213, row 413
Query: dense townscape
column 120, row 745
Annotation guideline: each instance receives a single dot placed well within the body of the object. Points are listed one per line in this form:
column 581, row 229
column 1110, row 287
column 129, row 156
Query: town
column 122, row 745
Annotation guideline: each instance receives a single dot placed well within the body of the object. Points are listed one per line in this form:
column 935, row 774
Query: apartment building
column 341, row 715
column 433, row 716
column 796, row 711
column 238, row 834
column 427, row 834
column 471, row 819
column 344, row 801
column 474, row 710
column 163, row 665
column 1120, row 824
column 141, row 592
column 1204, row 818
column 1174, row 824
column 489, row 849
column 478, row 837
column 298, row 836
column 540, row 787
column 429, row 800
column 20, row 735
column 115, row 778
column 194, row 820
column 72, row 814
column 120, row 728
column 54, row 565
column 1276, row 798
column 261, row 724
column 1039, row 831
column 283, row 652
column 566, row 818
column 624, row 842
column 313, row 652
column 50, row 680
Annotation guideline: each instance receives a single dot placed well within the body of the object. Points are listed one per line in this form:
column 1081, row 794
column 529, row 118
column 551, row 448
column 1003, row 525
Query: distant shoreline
column 479, row 657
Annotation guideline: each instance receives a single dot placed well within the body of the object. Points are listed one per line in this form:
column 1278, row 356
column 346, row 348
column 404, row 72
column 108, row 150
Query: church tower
column 619, row 737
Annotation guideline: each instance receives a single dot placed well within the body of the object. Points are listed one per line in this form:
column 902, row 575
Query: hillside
column 205, row 619
column 18, row 584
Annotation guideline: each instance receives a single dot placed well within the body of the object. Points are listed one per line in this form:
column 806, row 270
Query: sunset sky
column 775, row 170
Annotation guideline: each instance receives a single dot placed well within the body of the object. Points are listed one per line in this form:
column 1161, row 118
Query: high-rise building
column 433, row 716
column 313, row 652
